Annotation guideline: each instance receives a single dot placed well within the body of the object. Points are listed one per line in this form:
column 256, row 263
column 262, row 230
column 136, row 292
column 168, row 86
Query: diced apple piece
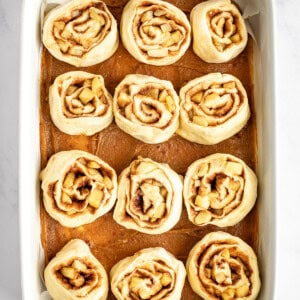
column 86, row 96
column 135, row 283
column 159, row 13
column 123, row 99
column 71, row 89
column 108, row 183
column 96, row 17
column 228, row 294
column 96, row 86
column 64, row 46
column 197, row 97
column 236, row 38
column 78, row 281
column 166, row 27
column 95, row 174
column 79, row 266
column 60, row 25
column 68, row 272
column 202, row 202
column 147, row 16
column 163, row 95
column 160, row 211
column 234, row 168
column 242, row 291
column 203, row 217
column 165, row 279
column 203, row 169
column 153, row 93
column 69, row 180
column 93, row 164
column 225, row 253
column 94, row 198
column 212, row 100
column 170, row 104
column 229, row 85
column 176, row 36
column 65, row 198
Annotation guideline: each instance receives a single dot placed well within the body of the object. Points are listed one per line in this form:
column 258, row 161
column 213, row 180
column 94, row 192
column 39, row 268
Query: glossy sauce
column 110, row 242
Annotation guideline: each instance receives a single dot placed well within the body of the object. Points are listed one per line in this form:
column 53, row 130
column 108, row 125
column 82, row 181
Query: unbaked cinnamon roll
column 146, row 108
column 213, row 108
column 81, row 32
column 155, row 32
column 219, row 189
column 149, row 197
column 78, row 187
column 80, row 104
column 222, row 266
column 219, row 31
column 75, row 273
column 151, row 273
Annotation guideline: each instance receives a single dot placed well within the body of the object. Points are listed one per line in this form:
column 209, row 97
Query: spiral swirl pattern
column 222, row 266
column 219, row 189
column 75, row 273
column 146, row 108
column 219, row 31
column 155, row 32
column 213, row 108
column 78, row 187
column 151, row 273
column 149, row 197
column 79, row 103
column 81, row 32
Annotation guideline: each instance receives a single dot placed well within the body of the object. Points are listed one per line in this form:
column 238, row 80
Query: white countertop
column 287, row 30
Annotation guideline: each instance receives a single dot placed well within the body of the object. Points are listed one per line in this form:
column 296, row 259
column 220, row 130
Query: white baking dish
column 262, row 25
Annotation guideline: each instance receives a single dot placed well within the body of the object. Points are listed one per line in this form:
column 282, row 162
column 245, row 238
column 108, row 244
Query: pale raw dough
column 219, row 189
column 76, row 260
column 155, row 32
column 222, row 266
column 152, row 273
column 219, row 31
column 146, row 108
column 160, row 191
column 213, row 108
column 81, row 32
column 73, row 116
column 78, row 187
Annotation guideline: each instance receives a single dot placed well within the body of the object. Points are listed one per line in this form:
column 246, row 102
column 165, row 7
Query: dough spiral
column 155, row 32
column 78, row 187
column 222, row 266
column 81, row 32
column 149, row 197
column 219, row 189
column 146, row 108
column 219, row 31
column 213, row 108
column 152, row 273
column 74, row 273
column 80, row 103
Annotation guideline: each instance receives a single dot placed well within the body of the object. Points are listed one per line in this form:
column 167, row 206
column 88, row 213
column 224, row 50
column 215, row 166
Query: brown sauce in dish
column 108, row 241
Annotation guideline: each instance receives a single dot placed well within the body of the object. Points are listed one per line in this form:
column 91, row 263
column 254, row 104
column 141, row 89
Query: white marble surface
column 287, row 28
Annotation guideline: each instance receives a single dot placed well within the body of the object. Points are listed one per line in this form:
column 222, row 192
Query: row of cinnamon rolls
column 220, row 266
column 208, row 110
column 79, row 187
column 84, row 32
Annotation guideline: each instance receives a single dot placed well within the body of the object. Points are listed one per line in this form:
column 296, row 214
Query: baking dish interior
column 30, row 154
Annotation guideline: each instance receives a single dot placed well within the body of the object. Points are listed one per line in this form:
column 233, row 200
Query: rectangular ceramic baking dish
column 262, row 25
